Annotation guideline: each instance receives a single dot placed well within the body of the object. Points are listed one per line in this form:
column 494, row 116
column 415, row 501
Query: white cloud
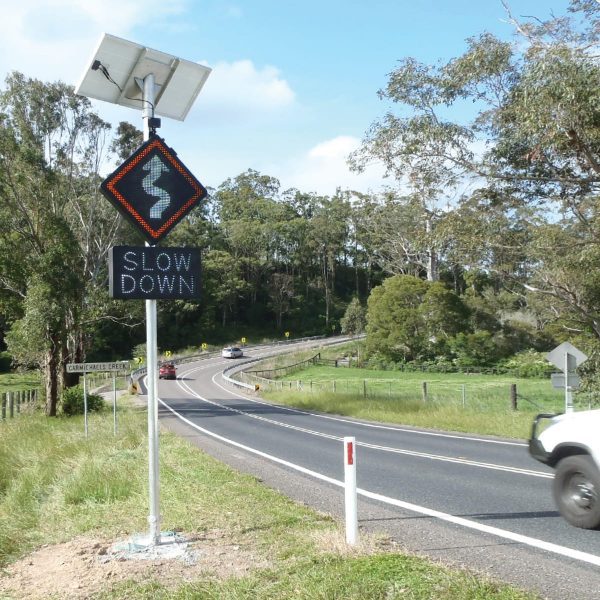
column 324, row 167
column 239, row 89
column 51, row 40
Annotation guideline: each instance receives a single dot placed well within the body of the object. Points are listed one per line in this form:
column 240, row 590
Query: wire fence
column 15, row 402
column 479, row 395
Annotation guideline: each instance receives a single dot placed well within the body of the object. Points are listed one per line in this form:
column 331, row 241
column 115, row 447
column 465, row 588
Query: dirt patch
column 84, row 566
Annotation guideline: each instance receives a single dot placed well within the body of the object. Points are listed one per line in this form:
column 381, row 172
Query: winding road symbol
column 156, row 168
column 153, row 189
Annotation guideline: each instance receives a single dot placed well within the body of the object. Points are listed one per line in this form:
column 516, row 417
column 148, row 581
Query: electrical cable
column 98, row 66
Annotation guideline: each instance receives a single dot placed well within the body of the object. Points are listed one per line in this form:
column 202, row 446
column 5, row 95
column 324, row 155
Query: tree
column 395, row 326
column 533, row 145
column 281, row 292
column 50, row 146
column 354, row 320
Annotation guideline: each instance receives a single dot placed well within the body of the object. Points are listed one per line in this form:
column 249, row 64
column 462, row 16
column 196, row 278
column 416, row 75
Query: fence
column 14, row 402
column 269, row 374
column 477, row 395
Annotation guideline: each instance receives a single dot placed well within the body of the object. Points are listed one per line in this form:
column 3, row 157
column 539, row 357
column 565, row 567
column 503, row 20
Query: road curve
column 467, row 500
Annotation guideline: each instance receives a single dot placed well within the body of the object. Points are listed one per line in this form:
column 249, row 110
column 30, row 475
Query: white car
column 571, row 445
column 232, row 352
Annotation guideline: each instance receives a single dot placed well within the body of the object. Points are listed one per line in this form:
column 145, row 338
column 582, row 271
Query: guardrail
column 233, row 370
column 138, row 373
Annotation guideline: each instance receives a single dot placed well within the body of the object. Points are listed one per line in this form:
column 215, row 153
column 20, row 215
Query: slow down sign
column 151, row 273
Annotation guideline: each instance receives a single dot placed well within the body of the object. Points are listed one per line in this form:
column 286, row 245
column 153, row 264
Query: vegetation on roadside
column 56, row 485
column 19, row 381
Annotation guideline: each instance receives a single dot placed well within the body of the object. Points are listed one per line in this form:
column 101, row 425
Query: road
column 466, row 500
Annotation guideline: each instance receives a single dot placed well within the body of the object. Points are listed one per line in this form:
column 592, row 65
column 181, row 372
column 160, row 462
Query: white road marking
column 456, row 460
column 375, row 425
column 502, row 533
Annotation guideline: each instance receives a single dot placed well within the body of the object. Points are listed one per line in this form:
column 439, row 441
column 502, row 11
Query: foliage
column 505, row 264
column 529, row 363
column 354, row 320
column 410, row 319
column 72, row 401
column 537, row 110
column 5, row 362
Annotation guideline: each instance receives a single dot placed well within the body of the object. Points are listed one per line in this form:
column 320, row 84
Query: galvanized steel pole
column 152, row 359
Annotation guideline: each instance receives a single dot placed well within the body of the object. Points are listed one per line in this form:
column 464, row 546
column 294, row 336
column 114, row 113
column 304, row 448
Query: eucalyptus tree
column 54, row 234
column 533, row 141
column 246, row 209
column 328, row 241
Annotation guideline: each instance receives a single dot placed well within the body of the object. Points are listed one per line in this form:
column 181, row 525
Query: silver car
column 232, row 352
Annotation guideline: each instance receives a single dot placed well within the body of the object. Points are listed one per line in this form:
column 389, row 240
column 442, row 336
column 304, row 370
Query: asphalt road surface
column 465, row 500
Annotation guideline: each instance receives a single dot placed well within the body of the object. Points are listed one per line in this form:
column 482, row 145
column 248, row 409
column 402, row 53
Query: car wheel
column 576, row 491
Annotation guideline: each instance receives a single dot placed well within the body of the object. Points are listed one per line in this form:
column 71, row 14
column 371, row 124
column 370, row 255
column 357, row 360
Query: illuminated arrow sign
column 153, row 189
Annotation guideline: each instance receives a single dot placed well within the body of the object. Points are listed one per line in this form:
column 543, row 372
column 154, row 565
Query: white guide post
column 151, row 361
column 351, row 508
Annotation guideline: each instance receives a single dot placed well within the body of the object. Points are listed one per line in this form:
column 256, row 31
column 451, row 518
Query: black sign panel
column 153, row 189
column 152, row 273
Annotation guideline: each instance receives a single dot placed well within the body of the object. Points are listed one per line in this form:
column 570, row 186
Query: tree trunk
column 432, row 259
column 51, row 376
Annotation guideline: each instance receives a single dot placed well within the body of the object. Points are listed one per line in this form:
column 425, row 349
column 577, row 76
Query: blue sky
column 294, row 84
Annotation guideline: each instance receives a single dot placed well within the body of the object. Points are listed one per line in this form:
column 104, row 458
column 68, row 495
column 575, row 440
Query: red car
column 167, row 371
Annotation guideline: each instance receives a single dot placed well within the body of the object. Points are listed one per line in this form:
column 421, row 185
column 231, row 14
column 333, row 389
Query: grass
column 456, row 402
column 55, row 485
column 28, row 380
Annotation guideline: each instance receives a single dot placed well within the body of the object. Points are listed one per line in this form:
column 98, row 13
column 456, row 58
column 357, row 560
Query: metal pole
column 115, row 402
column 568, row 393
column 151, row 358
column 85, row 420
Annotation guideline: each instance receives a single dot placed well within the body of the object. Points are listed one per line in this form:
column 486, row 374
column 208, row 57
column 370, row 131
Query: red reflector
column 350, row 453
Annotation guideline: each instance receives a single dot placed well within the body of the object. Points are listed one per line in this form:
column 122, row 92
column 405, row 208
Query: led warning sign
column 154, row 273
column 153, row 189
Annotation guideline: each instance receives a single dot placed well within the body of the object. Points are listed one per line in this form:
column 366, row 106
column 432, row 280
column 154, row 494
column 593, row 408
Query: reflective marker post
column 351, row 509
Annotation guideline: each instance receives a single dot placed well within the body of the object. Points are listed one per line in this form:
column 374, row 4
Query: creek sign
column 153, row 273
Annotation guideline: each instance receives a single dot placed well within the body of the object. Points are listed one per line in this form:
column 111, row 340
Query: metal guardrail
column 256, row 386
column 271, row 373
column 138, row 373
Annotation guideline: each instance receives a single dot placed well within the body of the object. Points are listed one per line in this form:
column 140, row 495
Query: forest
column 483, row 246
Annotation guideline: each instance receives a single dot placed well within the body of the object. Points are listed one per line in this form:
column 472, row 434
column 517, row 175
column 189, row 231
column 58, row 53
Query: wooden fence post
column 18, row 401
column 3, row 402
column 364, row 388
column 11, row 405
column 424, row 391
column 513, row 396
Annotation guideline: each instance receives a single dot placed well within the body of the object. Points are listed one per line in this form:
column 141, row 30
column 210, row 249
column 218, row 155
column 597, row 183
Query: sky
column 293, row 87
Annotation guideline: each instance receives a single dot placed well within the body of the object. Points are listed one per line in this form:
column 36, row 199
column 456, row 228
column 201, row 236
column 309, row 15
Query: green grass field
column 56, row 485
column 10, row 382
column 454, row 401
